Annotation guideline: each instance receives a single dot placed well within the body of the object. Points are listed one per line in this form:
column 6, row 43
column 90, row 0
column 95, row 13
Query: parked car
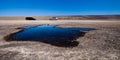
column 30, row 18
column 53, row 18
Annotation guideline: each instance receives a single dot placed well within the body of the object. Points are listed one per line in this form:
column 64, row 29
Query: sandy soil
column 100, row 44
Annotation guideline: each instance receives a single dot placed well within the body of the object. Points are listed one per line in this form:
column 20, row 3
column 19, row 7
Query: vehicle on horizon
column 53, row 18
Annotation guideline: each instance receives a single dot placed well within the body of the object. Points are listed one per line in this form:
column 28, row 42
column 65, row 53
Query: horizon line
column 65, row 15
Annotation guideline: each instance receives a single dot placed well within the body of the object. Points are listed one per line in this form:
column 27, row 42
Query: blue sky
column 58, row 7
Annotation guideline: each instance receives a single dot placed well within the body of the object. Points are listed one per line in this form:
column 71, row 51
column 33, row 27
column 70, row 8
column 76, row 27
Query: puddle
column 50, row 34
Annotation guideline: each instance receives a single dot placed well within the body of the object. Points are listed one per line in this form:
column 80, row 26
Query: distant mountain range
column 70, row 17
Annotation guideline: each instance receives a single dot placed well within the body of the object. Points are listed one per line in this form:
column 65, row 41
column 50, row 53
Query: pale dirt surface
column 100, row 44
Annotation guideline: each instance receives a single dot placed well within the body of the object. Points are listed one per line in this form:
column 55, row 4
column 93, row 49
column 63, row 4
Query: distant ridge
column 70, row 17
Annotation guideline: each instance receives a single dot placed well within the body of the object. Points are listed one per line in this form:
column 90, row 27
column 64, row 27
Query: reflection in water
column 50, row 34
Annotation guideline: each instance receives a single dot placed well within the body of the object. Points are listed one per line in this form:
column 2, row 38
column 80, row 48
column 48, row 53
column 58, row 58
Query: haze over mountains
column 70, row 17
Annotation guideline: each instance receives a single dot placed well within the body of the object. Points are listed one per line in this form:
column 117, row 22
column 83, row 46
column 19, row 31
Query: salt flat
column 100, row 44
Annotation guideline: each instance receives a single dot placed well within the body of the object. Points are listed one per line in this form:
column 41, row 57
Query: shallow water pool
column 49, row 34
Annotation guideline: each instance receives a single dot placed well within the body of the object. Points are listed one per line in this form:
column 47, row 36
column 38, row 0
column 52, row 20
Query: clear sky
column 58, row 7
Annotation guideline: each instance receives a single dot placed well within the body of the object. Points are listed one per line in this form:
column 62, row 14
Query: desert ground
column 100, row 44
